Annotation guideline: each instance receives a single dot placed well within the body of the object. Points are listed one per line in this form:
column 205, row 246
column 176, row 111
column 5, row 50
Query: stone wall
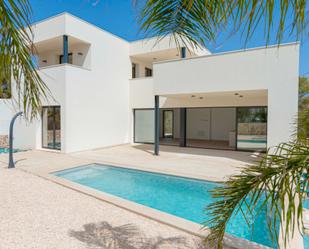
column 4, row 141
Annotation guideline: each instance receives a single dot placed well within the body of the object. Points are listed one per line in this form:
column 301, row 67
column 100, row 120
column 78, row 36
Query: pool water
column 306, row 241
column 6, row 150
column 182, row 197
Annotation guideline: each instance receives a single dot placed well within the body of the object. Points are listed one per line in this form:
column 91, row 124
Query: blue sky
column 119, row 18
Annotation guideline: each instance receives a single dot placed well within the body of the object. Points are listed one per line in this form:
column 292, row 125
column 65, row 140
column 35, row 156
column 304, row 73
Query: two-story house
column 108, row 91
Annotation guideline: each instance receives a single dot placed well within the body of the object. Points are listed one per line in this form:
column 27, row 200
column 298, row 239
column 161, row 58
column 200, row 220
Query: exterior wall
column 49, row 28
column 271, row 69
column 96, row 100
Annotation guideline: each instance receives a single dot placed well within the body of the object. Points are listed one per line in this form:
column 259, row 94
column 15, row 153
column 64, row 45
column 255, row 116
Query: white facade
column 97, row 94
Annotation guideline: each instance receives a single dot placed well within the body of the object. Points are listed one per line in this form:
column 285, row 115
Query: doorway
column 51, row 127
column 168, row 123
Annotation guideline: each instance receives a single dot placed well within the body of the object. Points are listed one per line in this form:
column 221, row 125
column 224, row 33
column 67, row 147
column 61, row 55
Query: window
column 252, row 128
column 133, row 70
column 70, row 59
column 144, row 126
column 148, row 72
column 51, row 127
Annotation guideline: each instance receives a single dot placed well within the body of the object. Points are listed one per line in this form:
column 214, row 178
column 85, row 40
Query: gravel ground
column 36, row 213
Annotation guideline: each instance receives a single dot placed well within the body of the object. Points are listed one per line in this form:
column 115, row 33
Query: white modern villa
column 107, row 91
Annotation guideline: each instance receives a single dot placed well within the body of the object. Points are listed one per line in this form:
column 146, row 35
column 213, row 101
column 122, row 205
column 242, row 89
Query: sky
column 120, row 18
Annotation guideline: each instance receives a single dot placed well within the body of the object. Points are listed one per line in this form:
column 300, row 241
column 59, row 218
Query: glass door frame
column 54, row 147
column 163, row 123
column 236, row 139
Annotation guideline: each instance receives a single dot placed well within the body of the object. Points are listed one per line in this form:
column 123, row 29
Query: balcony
column 141, row 92
column 63, row 50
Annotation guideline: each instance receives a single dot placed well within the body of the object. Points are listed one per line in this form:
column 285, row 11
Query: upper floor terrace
column 144, row 53
column 61, row 50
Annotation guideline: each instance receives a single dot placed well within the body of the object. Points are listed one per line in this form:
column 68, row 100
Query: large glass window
column 144, row 126
column 168, row 123
column 252, row 128
column 211, row 128
column 51, row 128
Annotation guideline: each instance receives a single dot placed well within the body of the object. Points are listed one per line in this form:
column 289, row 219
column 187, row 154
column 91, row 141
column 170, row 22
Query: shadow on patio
column 105, row 236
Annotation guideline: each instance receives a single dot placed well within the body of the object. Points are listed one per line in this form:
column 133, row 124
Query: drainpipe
column 157, row 126
column 65, row 49
column 11, row 161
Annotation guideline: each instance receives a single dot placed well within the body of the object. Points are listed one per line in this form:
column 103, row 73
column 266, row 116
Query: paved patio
column 38, row 213
column 215, row 165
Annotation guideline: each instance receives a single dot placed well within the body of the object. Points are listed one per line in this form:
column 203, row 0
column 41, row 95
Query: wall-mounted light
column 241, row 96
column 154, row 59
column 193, row 96
column 45, row 61
column 236, row 94
column 80, row 53
column 201, row 98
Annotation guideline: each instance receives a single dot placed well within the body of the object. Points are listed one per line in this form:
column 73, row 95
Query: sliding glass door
column 144, row 126
column 252, row 128
column 51, row 127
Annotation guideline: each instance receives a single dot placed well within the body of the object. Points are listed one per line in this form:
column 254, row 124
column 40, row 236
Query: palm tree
column 280, row 181
column 198, row 21
column 303, row 117
column 18, row 70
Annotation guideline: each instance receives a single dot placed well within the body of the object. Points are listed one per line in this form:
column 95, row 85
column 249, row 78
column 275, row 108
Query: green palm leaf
column 18, row 70
column 198, row 21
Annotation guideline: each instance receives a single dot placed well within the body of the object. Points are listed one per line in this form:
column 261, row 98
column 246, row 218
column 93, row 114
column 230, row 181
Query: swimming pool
column 6, row 150
column 182, row 197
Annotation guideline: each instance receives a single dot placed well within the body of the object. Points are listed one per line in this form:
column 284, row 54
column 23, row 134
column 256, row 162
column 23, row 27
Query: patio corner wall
column 273, row 69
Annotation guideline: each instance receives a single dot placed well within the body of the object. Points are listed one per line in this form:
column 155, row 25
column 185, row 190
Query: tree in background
column 303, row 116
column 280, row 181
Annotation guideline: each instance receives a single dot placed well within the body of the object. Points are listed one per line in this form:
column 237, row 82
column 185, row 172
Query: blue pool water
column 306, row 242
column 182, row 197
column 6, row 150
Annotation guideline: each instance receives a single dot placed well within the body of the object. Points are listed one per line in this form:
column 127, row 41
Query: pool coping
column 145, row 211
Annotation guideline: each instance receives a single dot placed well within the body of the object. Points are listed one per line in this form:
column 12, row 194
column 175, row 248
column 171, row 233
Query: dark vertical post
column 183, row 113
column 65, row 49
column 183, row 52
column 11, row 137
column 157, row 126
column 183, row 127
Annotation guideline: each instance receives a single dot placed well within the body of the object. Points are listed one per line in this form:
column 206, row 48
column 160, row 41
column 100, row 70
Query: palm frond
column 198, row 21
column 279, row 183
column 18, row 68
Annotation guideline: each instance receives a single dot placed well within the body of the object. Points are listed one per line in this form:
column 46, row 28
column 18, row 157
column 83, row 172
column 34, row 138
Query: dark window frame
column 70, row 55
column 54, row 147
column 163, row 122
column 134, row 71
column 148, row 72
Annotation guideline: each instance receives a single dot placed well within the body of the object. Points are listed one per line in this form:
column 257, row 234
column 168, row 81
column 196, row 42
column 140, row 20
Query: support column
column 157, row 126
column 183, row 127
column 183, row 52
column 65, row 49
